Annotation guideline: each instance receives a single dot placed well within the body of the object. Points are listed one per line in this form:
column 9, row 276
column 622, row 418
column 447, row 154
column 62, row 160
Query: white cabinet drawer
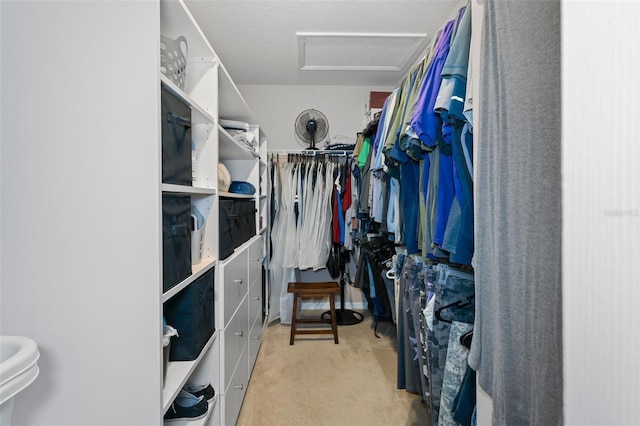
column 236, row 336
column 236, row 284
column 236, row 391
column 255, row 301
column 255, row 260
column 255, row 339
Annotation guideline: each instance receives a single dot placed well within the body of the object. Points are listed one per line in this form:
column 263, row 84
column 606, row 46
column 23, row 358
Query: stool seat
column 322, row 289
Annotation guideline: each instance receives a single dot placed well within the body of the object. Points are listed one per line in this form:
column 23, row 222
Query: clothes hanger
column 465, row 339
column 456, row 304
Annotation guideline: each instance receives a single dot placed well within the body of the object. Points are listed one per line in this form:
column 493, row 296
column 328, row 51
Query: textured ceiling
column 256, row 40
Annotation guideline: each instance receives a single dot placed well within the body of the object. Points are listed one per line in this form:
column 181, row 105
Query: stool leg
column 294, row 313
column 334, row 324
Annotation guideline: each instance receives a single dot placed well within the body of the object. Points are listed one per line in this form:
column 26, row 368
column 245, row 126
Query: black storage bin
column 237, row 224
column 191, row 312
column 176, row 239
column 176, row 139
column 228, row 222
column 246, row 211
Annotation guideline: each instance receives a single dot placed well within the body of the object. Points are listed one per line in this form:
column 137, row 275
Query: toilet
column 18, row 369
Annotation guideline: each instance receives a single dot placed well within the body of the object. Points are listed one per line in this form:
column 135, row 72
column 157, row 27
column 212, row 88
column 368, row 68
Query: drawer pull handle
column 256, row 337
column 256, row 298
column 239, row 334
column 239, row 387
column 238, row 281
column 258, row 260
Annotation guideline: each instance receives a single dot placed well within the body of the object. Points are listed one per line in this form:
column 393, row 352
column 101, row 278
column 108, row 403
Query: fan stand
column 312, row 144
column 311, row 127
column 344, row 316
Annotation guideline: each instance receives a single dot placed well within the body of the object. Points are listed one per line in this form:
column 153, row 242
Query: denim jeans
column 452, row 286
column 408, row 364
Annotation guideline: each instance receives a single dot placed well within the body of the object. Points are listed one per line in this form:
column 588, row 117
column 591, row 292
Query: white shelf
column 197, row 271
column 177, row 374
column 184, row 189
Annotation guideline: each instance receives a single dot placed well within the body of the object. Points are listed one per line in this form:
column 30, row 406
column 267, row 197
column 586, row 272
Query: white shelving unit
column 227, row 359
column 82, row 192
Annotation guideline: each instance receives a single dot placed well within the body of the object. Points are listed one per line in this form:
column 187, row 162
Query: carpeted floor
column 316, row 382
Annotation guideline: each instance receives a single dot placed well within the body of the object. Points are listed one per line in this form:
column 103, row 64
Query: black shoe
column 187, row 407
column 200, row 390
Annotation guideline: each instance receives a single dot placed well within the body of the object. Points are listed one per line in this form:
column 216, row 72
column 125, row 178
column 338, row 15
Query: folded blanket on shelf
column 244, row 138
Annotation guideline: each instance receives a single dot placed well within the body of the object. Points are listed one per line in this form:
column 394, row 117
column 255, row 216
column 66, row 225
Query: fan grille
column 306, row 138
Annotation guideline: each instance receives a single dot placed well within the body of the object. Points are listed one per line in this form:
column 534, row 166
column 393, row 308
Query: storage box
column 191, row 312
column 246, row 211
column 176, row 239
column 376, row 99
column 237, row 224
column 176, row 139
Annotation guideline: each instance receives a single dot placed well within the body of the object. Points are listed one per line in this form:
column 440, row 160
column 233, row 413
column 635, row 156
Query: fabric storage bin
column 237, row 224
column 246, row 213
column 176, row 139
column 191, row 312
column 228, row 222
column 176, row 239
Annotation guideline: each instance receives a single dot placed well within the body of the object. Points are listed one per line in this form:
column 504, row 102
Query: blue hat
column 240, row 187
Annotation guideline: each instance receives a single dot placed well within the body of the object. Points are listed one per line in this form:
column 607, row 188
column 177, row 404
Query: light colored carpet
column 316, row 382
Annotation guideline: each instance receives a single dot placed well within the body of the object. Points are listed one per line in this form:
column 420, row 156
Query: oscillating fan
column 312, row 129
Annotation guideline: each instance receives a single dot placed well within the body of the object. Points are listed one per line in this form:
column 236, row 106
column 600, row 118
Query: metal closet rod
column 310, row 152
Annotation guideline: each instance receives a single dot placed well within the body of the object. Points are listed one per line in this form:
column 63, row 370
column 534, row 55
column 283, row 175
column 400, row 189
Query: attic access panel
column 359, row 51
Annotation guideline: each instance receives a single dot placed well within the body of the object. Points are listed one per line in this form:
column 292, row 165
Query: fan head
column 311, row 129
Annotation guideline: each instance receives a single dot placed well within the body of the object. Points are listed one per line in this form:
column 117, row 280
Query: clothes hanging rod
column 310, row 152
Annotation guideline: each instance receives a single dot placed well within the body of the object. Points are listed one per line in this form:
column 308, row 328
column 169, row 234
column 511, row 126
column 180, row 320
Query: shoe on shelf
column 187, row 407
column 200, row 390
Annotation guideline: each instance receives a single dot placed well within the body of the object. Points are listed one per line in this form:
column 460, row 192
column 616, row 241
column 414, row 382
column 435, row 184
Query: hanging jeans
column 408, row 366
column 454, row 371
column 452, row 286
column 417, row 299
column 465, row 401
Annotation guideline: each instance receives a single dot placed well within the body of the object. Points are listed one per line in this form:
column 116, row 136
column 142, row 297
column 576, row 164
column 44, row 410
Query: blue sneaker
column 187, row 407
column 200, row 390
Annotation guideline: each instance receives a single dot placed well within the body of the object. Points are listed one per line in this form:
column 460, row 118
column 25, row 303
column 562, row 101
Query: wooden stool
column 322, row 289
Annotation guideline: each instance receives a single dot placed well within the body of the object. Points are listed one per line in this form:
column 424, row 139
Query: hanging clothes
column 281, row 275
column 416, row 192
column 304, row 214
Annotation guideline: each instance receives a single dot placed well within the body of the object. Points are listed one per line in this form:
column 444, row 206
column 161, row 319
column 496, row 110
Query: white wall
column 80, row 208
column 276, row 109
column 601, row 212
